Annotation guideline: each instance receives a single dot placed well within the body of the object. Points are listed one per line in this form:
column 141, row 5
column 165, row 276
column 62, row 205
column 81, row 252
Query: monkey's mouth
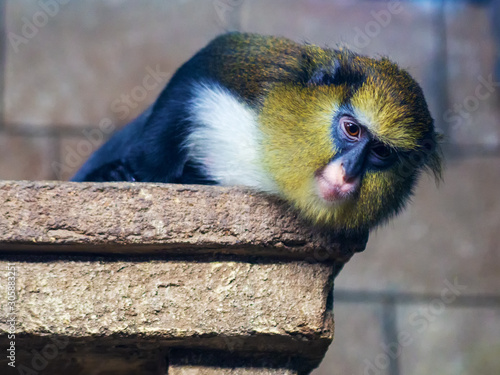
column 333, row 191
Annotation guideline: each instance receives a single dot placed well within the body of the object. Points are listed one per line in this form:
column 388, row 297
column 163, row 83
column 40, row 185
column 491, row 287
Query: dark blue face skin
column 358, row 148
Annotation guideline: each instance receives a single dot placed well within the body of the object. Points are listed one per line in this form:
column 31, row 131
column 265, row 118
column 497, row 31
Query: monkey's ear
column 325, row 75
column 335, row 74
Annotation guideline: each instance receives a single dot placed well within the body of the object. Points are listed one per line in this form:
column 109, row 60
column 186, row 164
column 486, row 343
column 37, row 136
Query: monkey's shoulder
column 251, row 64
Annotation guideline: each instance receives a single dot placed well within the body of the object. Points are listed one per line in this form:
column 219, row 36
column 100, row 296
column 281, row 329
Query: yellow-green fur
column 296, row 117
column 294, row 104
column 296, row 123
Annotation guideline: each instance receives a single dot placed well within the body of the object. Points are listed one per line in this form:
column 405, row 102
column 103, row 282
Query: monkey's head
column 347, row 144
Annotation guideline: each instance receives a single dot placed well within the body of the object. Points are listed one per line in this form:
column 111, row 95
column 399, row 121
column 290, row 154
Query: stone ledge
column 183, row 362
column 158, row 218
column 137, row 304
column 169, row 299
column 129, row 274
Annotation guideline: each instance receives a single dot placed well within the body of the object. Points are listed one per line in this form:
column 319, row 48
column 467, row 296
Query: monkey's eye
column 351, row 129
column 381, row 151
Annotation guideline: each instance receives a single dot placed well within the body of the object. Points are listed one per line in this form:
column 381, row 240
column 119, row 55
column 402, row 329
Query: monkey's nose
column 349, row 179
column 334, row 184
column 346, row 177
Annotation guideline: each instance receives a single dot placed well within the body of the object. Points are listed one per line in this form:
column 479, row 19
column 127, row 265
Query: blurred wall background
column 424, row 298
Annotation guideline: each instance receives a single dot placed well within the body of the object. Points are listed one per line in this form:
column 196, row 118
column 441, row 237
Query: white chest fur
column 226, row 139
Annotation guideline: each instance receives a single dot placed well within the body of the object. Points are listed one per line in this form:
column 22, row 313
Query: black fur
column 149, row 149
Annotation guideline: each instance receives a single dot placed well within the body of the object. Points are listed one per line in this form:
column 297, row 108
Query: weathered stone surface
column 102, row 298
column 157, row 218
column 215, row 370
column 182, row 362
column 203, row 302
column 134, row 270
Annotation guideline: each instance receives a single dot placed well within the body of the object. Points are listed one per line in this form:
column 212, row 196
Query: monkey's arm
column 111, row 161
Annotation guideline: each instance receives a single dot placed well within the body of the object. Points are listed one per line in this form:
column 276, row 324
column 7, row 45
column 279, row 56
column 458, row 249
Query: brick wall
column 424, row 297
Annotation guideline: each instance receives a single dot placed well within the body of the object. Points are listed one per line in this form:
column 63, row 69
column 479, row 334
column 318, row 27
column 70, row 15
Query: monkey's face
column 358, row 150
column 346, row 158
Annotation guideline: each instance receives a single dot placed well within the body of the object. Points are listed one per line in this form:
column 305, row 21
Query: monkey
column 340, row 136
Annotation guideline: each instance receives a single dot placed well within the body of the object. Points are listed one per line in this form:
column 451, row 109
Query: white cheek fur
column 225, row 139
